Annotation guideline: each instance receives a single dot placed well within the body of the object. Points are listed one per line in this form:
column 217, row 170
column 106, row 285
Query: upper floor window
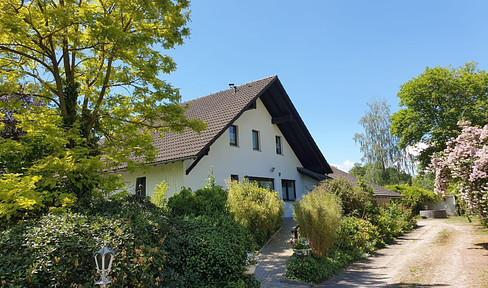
column 233, row 135
column 255, row 140
column 279, row 148
column 141, row 186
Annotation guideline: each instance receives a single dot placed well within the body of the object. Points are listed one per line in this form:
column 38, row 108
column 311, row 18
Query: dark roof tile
column 217, row 110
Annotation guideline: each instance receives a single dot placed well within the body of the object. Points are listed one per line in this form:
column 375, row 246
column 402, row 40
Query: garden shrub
column 415, row 198
column 207, row 201
column 354, row 200
column 258, row 209
column 319, row 216
column 152, row 249
column 358, row 236
column 314, row 269
column 158, row 197
column 392, row 221
column 206, row 252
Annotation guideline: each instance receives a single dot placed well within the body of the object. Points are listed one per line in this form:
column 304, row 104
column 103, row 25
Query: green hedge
column 415, row 198
column 358, row 236
column 392, row 221
column 152, row 248
column 209, row 201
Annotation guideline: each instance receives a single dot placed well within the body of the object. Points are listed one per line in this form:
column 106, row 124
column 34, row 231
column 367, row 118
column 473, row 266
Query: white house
column 254, row 132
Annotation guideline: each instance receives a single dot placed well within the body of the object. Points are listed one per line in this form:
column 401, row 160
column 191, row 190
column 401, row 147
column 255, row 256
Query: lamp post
column 103, row 260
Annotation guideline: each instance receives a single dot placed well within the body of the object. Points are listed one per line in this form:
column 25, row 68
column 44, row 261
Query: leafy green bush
column 358, row 236
column 152, row 249
column 319, row 216
column 206, row 252
column 315, row 269
column 206, row 201
column 392, row 221
column 158, row 198
column 415, row 198
column 258, row 209
column 354, row 200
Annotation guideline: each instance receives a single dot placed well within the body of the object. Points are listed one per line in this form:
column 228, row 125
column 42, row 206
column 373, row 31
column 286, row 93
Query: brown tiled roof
column 218, row 110
column 353, row 180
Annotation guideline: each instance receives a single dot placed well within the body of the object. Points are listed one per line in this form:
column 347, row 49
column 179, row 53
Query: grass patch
column 443, row 237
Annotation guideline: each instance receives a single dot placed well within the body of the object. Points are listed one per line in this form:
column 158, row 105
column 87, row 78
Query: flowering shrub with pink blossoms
column 463, row 166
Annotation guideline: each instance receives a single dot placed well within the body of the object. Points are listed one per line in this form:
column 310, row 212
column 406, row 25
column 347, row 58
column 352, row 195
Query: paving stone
column 273, row 257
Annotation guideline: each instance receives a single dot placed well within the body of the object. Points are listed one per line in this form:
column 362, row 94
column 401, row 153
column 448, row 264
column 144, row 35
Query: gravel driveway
column 440, row 253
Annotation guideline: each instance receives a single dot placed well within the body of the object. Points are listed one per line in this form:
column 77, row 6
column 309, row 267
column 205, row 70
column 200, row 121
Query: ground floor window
column 234, row 177
column 267, row 183
column 141, row 186
column 289, row 192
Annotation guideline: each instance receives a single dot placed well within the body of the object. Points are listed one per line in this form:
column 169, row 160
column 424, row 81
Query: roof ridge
column 245, row 84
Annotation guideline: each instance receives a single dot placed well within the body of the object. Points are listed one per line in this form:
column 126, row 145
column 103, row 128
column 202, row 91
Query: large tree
column 95, row 67
column 378, row 145
column 433, row 103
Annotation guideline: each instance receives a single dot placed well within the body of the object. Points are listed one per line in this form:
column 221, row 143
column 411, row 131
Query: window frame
column 279, row 145
column 262, row 179
column 256, row 143
column 236, row 144
column 141, row 181
column 285, row 193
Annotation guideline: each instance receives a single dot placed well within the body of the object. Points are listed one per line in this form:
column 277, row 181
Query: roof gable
column 221, row 109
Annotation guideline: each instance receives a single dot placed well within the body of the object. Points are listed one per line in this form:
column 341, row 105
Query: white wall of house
column 172, row 173
column 243, row 161
column 226, row 160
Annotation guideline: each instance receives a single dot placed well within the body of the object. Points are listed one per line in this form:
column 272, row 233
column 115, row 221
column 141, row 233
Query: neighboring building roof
column 353, row 180
column 221, row 109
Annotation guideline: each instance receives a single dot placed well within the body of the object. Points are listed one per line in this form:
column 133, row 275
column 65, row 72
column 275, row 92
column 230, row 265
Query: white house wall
column 171, row 173
column 243, row 161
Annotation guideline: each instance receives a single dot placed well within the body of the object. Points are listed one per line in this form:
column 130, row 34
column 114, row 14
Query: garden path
column 273, row 257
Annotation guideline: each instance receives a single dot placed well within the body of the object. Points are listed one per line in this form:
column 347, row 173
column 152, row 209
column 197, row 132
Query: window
column 255, row 140
column 141, row 186
column 233, row 135
column 289, row 192
column 267, row 183
column 234, row 177
column 279, row 149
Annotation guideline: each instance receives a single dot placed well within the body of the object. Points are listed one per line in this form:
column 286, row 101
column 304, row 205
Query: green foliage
column 205, row 201
column 319, row 215
column 354, row 200
column 258, row 209
column 375, row 173
column 433, row 103
column 206, row 252
column 152, row 249
column 391, row 221
column 93, row 71
column 159, row 192
column 18, row 197
column 357, row 236
column 378, row 145
column 424, row 181
column 415, row 198
column 314, row 269
column 247, row 281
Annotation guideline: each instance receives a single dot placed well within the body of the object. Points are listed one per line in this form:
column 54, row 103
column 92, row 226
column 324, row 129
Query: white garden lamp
column 103, row 260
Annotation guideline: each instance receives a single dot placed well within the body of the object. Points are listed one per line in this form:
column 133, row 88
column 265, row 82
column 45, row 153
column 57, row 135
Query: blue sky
column 332, row 57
